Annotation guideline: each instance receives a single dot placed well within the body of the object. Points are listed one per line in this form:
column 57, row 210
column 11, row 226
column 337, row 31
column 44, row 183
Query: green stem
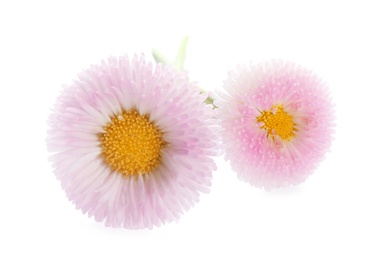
column 178, row 63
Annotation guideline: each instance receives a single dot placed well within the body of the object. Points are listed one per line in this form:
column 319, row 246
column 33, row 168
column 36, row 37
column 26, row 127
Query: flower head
column 277, row 121
column 132, row 143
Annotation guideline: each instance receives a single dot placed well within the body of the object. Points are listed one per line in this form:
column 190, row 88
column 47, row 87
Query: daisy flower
column 277, row 121
column 132, row 143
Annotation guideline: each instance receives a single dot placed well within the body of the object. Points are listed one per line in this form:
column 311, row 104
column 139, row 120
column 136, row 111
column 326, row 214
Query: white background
column 331, row 216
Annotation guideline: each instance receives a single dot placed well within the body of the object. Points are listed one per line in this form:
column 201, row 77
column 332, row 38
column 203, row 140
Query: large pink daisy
column 277, row 121
column 132, row 143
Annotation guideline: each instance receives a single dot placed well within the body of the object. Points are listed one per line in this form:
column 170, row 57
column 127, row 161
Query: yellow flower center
column 131, row 144
column 277, row 121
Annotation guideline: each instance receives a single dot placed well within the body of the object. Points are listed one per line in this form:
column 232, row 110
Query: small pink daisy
column 277, row 121
column 132, row 143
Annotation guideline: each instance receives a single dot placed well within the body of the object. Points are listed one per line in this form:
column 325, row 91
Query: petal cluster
column 172, row 103
column 258, row 154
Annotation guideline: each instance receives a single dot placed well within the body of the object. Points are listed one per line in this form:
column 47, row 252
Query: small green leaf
column 180, row 56
column 159, row 58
